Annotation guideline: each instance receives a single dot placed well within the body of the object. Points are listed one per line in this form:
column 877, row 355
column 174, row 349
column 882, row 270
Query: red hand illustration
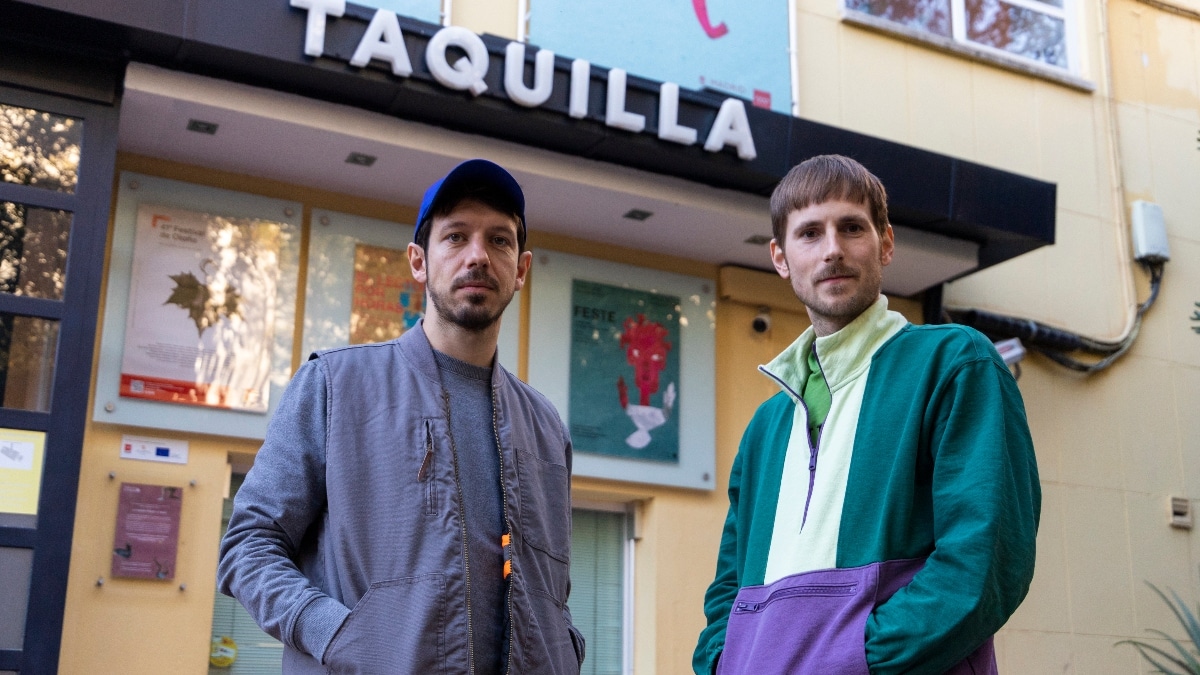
column 712, row 31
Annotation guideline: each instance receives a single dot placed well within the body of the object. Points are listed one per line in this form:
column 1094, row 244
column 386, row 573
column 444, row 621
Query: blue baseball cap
column 472, row 172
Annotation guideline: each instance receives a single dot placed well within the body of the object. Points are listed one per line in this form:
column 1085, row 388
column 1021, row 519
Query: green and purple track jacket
column 926, row 453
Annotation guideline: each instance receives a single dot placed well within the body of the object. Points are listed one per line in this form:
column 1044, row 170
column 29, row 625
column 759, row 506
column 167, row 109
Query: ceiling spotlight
column 758, row 239
column 637, row 214
column 202, row 127
column 361, row 159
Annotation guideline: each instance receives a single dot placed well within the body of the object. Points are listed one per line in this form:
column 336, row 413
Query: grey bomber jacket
column 342, row 547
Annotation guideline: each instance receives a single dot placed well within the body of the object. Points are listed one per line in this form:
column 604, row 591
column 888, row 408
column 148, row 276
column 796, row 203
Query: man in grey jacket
column 387, row 526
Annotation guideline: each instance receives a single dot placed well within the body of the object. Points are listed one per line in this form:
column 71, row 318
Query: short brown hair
column 820, row 179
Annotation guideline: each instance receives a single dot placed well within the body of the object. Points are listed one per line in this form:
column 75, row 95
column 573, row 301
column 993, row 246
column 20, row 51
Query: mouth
column 835, row 277
column 476, row 284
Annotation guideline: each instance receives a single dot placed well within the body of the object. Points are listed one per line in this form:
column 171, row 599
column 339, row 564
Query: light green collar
column 843, row 355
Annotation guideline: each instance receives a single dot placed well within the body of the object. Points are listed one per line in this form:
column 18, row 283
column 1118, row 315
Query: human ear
column 416, row 263
column 779, row 259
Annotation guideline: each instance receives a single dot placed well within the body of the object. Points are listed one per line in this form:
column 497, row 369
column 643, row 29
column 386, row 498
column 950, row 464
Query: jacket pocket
column 545, row 505
column 823, row 614
column 549, row 644
column 398, row 626
column 425, row 473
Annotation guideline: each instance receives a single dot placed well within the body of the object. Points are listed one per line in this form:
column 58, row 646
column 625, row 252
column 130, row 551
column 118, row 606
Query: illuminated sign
column 384, row 41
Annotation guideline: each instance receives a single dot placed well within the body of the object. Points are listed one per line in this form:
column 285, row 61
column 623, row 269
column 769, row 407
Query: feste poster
column 202, row 298
column 624, row 381
column 386, row 300
column 147, row 537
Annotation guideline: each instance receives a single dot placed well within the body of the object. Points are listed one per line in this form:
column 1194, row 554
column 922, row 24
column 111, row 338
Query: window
column 1037, row 33
column 601, row 587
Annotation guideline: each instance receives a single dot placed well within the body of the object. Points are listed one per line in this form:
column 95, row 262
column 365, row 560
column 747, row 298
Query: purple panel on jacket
column 815, row 622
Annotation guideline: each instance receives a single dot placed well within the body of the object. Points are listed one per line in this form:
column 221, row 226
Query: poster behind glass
column 201, row 320
column 624, row 380
column 739, row 48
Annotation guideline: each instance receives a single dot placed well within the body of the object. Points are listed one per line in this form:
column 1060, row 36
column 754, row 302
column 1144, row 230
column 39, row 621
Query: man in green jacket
column 883, row 507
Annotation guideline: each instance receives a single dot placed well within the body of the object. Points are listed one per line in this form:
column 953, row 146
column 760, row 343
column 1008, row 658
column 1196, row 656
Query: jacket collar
column 417, row 350
column 843, row 355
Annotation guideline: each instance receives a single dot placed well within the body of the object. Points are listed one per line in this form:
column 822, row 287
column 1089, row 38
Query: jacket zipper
column 511, row 549
column 463, row 530
column 813, row 448
column 423, row 475
column 825, row 590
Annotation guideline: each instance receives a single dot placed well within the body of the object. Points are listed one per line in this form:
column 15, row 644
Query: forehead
column 471, row 213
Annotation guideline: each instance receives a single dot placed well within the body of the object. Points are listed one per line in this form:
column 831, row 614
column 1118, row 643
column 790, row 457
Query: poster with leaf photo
column 201, row 319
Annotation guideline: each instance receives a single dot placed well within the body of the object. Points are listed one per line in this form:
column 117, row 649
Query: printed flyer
column 200, row 326
column 386, row 300
column 624, row 375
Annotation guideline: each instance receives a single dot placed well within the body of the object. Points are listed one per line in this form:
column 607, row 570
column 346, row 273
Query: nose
column 477, row 252
column 833, row 244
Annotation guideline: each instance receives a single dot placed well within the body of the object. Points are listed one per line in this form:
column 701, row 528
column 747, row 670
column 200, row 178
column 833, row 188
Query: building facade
column 244, row 171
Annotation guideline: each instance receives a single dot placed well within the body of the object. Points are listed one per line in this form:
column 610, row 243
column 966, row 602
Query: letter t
column 314, row 34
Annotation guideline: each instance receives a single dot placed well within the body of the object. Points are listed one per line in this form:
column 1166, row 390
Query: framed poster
column 360, row 289
column 738, row 48
column 619, row 333
column 626, row 354
column 200, row 323
column 199, row 310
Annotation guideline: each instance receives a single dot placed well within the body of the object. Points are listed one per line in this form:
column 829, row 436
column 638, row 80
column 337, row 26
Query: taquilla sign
column 458, row 59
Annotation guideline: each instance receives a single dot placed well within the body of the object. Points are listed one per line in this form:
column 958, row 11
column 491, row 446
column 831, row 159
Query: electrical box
column 1149, row 233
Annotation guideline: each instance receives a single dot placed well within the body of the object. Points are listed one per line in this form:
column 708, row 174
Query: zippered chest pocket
column 425, row 474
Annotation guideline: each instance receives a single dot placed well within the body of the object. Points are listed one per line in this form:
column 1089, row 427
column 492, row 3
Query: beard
column 843, row 308
column 473, row 314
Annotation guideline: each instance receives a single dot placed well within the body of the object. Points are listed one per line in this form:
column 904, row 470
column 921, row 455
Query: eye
column 501, row 241
column 810, row 233
column 455, row 237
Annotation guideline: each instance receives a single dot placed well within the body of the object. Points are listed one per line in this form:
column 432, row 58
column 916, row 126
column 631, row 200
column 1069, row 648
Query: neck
column 477, row 348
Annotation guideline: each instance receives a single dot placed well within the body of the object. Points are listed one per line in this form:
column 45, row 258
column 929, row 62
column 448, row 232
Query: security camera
column 762, row 321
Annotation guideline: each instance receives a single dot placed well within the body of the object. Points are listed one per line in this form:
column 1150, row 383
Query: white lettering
column 732, row 127
column 468, row 72
column 314, row 32
column 581, row 82
column 514, row 75
column 616, row 115
column 384, row 41
column 669, row 128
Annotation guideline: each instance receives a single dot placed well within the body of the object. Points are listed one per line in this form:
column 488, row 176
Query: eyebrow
column 840, row 221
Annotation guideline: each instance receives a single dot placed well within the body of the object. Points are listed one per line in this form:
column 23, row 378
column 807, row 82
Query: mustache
column 836, row 270
column 476, row 277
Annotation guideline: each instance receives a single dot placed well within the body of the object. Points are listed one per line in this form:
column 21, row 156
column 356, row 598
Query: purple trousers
column 814, row 623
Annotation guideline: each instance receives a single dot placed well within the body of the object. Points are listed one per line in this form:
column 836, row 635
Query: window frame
column 958, row 43
column 629, row 548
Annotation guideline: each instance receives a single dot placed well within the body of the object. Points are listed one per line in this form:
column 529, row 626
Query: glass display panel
column 928, row 15
column 33, row 250
column 16, row 566
column 27, row 350
column 1017, row 30
column 39, row 149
